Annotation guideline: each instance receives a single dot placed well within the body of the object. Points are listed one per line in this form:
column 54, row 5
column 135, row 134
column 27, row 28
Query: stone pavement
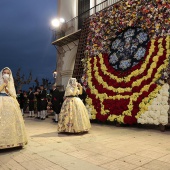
column 105, row 147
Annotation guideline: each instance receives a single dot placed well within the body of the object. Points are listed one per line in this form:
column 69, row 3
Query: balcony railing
column 76, row 23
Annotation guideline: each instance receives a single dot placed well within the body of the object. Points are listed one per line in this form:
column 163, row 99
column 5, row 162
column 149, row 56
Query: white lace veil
column 71, row 85
column 11, row 87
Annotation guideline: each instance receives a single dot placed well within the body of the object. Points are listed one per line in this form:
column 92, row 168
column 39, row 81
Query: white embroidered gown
column 73, row 117
column 12, row 128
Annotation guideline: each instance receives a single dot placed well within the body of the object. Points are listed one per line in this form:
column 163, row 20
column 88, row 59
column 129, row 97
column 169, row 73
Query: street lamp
column 58, row 27
column 55, row 74
column 57, row 22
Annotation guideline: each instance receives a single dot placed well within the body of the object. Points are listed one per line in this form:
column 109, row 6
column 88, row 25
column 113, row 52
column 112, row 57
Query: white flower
column 163, row 112
column 154, row 115
column 164, row 89
column 153, row 107
column 157, row 107
column 165, row 93
column 156, row 122
column 149, row 107
column 164, row 100
column 150, row 120
column 155, row 102
column 166, row 107
column 142, row 121
column 163, row 120
column 159, row 98
column 144, row 116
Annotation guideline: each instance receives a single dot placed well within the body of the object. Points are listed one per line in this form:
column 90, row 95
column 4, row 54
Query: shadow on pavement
column 9, row 150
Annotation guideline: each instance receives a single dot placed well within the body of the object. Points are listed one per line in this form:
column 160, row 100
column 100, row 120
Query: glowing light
column 62, row 20
column 55, row 74
column 55, row 23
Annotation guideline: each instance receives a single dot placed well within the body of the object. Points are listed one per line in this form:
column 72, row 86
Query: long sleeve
column 2, row 87
column 10, row 92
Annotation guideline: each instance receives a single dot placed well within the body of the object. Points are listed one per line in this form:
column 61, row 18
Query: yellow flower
column 112, row 118
column 155, row 58
column 120, row 119
column 93, row 116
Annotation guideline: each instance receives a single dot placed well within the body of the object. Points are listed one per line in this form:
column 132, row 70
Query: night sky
column 26, row 36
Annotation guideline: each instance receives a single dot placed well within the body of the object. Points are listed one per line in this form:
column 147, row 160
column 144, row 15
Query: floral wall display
column 125, row 69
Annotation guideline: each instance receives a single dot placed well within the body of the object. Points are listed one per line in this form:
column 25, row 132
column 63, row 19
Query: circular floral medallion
column 128, row 48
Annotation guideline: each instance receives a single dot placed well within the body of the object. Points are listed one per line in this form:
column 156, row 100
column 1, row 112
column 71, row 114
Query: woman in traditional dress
column 12, row 128
column 73, row 117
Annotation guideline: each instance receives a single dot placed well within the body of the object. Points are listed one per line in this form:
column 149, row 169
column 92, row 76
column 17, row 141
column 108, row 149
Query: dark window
column 83, row 13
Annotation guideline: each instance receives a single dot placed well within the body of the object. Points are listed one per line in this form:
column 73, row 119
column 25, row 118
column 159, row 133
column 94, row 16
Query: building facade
column 67, row 37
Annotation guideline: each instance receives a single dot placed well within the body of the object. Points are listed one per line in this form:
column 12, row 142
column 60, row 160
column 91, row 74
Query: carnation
column 163, row 120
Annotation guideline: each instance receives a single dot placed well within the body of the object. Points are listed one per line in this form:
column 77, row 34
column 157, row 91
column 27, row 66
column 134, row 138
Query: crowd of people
column 39, row 103
column 69, row 110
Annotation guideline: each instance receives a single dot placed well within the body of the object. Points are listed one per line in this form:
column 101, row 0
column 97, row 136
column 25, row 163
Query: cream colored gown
column 73, row 117
column 12, row 128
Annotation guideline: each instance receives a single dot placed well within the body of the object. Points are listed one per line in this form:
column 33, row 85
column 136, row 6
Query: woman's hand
column 78, row 85
column 5, row 82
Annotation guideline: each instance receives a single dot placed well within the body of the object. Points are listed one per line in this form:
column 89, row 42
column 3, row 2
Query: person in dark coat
column 20, row 98
column 31, row 102
column 56, row 102
column 61, row 98
column 43, row 103
column 83, row 96
column 25, row 101
column 38, row 97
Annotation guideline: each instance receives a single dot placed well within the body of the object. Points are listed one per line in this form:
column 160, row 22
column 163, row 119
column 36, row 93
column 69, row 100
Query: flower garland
column 125, row 97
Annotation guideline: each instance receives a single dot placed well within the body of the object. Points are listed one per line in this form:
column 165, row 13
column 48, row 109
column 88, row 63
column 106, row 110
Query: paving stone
column 39, row 164
column 136, row 160
column 157, row 165
column 116, row 154
column 82, row 154
column 165, row 158
column 151, row 154
column 98, row 159
column 140, row 168
column 11, row 165
column 118, row 165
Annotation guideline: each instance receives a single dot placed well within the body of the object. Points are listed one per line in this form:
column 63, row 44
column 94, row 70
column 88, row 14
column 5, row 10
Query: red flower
column 130, row 120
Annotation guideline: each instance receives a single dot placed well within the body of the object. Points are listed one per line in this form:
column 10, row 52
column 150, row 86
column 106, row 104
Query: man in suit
column 20, row 98
column 43, row 103
column 37, row 95
column 56, row 102
column 31, row 102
